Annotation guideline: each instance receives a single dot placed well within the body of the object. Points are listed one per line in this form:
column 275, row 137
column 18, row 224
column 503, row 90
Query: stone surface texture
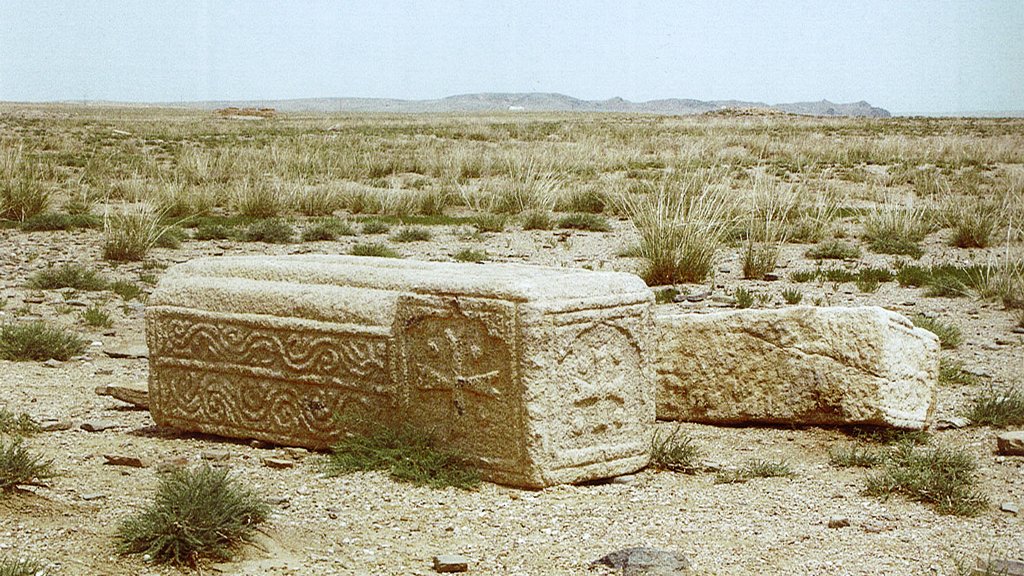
column 540, row 375
column 798, row 365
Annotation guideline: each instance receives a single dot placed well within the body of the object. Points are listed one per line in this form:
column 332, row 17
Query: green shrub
column 50, row 221
column 377, row 250
column 744, row 298
column 588, row 200
column 412, row 234
column 585, row 221
column 22, row 198
column 327, row 230
column 68, row 276
column 792, row 296
column 38, row 341
column 755, row 469
column 19, row 467
column 172, row 237
column 942, row 477
column 129, row 235
column 406, row 454
column 196, row 514
column 490, row 223
column 97, row 317
column 665, row 295
column 270, row 231
column 998, row 408
column 949, row 335
column 675, row 452
column 125, row 289
column 855, row 457
column 834, row 250
column 213, row 231
column 257, row 199
column 537, row 220
column 20, row 568
column 759, row 259
column 867, row 286
column 375, row 227
column 17, row 424
column 896, row 230
column 470, row 255
column 952, row 373
column 801, row 276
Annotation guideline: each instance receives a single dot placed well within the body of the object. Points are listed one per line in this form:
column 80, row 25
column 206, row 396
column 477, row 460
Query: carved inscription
column 458, row 366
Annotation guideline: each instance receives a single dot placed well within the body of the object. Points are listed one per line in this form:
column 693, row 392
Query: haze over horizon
column 909, row 57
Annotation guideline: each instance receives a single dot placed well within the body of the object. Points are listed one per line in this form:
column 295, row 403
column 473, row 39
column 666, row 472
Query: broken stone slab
column 449, row 563
column 137, row 397
column 798, row 365
column 644, row 561
column 125, row 460
column 539, row 376
column 1011, row 443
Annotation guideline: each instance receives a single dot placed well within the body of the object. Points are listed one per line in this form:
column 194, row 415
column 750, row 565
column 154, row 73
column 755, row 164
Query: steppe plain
column 473, row 182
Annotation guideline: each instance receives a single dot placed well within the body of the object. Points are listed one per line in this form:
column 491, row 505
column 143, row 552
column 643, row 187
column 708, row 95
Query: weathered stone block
column 800, row 365
column 540, row 375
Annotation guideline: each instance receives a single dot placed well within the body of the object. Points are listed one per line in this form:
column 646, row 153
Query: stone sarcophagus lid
column 539, row 375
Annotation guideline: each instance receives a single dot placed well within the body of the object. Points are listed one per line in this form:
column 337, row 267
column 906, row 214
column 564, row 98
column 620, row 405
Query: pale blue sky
column 907, row 56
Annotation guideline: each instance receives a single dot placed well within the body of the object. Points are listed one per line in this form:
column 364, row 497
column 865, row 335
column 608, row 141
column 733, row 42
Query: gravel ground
column 367, row 524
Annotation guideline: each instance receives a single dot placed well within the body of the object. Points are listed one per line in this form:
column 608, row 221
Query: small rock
column 838, row 522
column 955, row 422
column 877, row 527
column 128, row 352
column 999, row 566
column 98, row 425
column 92, row 496
column 1010, row 507
column 450, row 563
column 122, row 460
column 294, row 452
column 33, row 300
column 646, row 562
column 278, row 501
column 51, row 363
column 278, row 463
column 171, row 464
column 1018, row 330
column 624, row 479
column 54, row 425
column 770, row 277
column 696, row 296
column 1011, row 443
column 137, row 397
column 723, row 299
column 215, row 455
column 259, row 444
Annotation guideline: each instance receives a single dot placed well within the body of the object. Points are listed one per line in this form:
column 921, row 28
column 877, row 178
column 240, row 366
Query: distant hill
column 539, row 102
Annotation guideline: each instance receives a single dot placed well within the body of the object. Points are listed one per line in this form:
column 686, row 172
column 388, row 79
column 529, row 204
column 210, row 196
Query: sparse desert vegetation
column 923, row 216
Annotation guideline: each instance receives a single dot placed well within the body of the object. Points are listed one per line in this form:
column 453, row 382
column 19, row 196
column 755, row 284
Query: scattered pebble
column 1010, row 507
column 54, row 425
column 88, row 496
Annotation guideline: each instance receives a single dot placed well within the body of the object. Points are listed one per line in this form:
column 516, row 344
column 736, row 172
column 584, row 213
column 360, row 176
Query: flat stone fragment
column 450, row 563
column 98, row 425
column 539, row 376
column 137, row 397
column 278, row 463
column 1000, row 566
column 123, row 460
column 643, row 561
column 1011, row 443
column 797, row 365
